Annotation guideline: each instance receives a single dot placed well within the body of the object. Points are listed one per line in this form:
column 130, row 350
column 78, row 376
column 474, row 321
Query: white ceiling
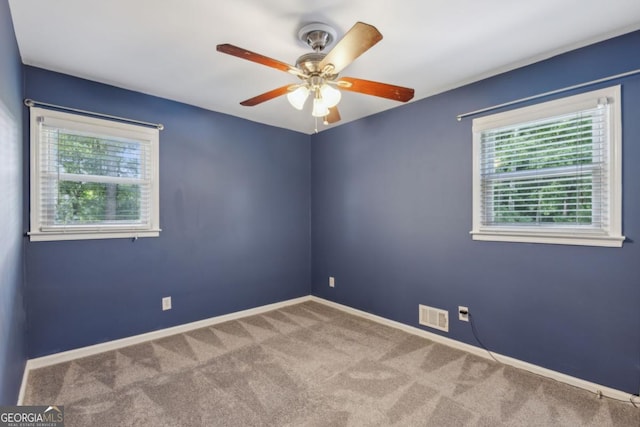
column 167, row 48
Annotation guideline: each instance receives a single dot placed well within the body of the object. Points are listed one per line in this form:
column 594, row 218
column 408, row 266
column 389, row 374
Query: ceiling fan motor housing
column 309, row 63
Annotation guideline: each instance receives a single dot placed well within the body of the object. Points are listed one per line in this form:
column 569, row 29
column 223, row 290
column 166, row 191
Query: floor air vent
column 434, row 317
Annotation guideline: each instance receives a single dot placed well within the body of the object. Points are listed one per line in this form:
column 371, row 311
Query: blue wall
column 391, row 209
column 235, row 214
column 12, row 314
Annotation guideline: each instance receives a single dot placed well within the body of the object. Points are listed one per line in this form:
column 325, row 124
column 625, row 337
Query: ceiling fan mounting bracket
column 317, row 35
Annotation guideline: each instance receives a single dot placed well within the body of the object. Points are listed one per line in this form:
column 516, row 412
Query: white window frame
column 82, row 123
column 611, row 234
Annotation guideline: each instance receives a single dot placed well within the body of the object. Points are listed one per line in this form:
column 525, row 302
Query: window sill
column 91, row 235
column 549, row 238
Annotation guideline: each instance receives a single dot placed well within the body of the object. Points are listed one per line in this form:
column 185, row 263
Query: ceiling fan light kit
column 320, row 109
column 298, row 97
column 331, row 96
column 319, row 71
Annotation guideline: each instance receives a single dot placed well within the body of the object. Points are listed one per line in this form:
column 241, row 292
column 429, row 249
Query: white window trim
column 611, row 237
column 40, row 233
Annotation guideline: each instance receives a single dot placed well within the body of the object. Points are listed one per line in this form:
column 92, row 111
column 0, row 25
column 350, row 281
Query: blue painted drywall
column 391, row 209
column 235, row 215
column 13, row 353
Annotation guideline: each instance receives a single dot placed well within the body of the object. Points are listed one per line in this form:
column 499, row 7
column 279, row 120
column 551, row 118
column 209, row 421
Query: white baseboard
column 23, row 386
column 124, row 342
column 78, row 353
column 516, row 363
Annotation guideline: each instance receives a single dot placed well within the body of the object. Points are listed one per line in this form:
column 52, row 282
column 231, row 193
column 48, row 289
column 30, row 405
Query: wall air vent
column 434, row 317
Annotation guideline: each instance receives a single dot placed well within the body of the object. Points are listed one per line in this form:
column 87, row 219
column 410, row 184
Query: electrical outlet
column 463, row 313
column 166, row 303
column 332, row 282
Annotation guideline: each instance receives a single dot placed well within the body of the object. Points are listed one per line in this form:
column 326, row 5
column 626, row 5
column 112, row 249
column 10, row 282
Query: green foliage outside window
column 551, row 196
column 90, row 201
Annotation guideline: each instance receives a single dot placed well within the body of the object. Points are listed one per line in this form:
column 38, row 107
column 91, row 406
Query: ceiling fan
column 319, row 71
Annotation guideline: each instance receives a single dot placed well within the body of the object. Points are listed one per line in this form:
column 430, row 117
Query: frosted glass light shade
column 298, row 97
column 330, row 95
column 320, row 109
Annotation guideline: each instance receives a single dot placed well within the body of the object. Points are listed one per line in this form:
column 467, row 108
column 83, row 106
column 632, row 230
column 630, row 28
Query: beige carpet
column 309, row 365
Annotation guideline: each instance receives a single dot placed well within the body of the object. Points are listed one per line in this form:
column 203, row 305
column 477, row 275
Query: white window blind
column 92, row 177
column 550, row 172
column 551, row 169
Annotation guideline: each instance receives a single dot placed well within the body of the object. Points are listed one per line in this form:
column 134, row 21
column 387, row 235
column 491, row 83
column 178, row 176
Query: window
column 92, row 178
column 550, row 173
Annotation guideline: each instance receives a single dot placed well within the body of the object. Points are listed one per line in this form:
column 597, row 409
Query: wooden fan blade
column 333, row 116
column 239, row 52
column 383, row 90
column 360, row 38
column 266, row 96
